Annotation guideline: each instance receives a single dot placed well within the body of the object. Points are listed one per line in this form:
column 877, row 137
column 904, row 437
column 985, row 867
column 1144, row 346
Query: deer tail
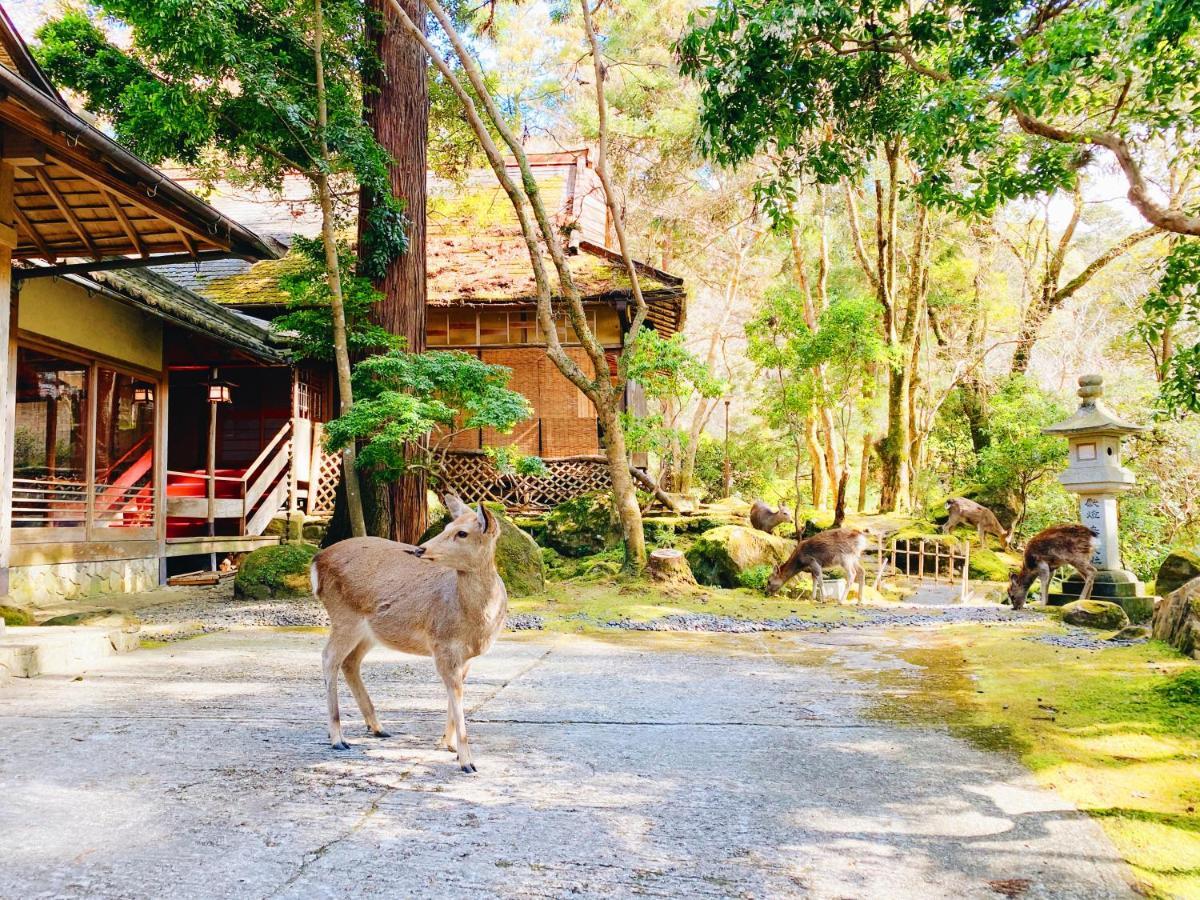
column 314, row 579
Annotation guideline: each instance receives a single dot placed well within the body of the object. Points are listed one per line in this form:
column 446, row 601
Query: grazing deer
column 442, row 599
column 836, row 547
column 963, row 510
column 763, row 518
column 1058, row 545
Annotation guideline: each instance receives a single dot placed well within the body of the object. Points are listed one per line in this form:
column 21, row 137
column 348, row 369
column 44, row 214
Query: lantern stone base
column 1118, row 585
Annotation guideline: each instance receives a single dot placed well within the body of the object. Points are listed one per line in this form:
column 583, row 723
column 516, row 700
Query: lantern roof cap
column 1093, row 415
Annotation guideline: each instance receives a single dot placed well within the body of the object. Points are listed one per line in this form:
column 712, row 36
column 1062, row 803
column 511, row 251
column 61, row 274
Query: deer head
column 468, row 543
column 1018, row 588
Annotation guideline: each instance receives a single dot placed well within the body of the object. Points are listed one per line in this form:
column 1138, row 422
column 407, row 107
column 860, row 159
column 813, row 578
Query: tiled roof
column 475, row 253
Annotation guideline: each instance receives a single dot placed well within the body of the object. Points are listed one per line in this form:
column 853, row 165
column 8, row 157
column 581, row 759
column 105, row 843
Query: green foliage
column 401, row 398
column 667, row 370
column 1173, row 308
column 508, row 460
column 235, row 81
column 755, row 577
column 754, row 463
column 309, row 316
column 1019, row 460
column 818, row 86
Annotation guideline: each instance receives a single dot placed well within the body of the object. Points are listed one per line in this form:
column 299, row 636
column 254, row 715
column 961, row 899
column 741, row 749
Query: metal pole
column 727, row 473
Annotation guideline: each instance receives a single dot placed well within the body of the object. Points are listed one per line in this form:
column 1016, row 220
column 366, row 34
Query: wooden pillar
column 8, row 387
column 295, row 520
column 161, row 412
column 212, row 477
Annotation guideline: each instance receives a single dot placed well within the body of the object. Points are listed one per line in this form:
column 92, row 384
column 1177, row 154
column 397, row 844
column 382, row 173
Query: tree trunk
column 816, row 459
column 624, row 495
column 864, row 471
column 396, row 100
column 333, row 272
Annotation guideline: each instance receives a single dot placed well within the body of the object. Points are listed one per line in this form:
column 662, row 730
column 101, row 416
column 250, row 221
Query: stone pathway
column 662, row 765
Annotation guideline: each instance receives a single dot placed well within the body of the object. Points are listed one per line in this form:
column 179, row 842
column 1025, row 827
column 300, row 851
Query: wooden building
column 481, row 299
column 103, row 479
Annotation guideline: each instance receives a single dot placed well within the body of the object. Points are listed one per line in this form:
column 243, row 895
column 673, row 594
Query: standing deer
column 1058, row 545
column 963, row 510
column 442, row 599
column 763, row 518
column 837, row 547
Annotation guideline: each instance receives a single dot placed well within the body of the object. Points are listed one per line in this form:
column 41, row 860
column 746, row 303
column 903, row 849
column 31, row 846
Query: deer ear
column 487, row 521
column 455, row 506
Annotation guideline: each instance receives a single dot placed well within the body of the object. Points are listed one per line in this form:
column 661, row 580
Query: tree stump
column 670, row 565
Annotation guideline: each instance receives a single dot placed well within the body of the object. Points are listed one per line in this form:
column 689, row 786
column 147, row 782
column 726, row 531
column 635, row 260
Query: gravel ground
column 901, row 618
column 1079, row 638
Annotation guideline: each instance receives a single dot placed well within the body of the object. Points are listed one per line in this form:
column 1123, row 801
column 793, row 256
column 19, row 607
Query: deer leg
column 337, row 648
column 1044, row 575
column 1089, row 577
column 982, row 536
column 452, row 673
column 818, row 582
column 449, row 741
column 351, row 669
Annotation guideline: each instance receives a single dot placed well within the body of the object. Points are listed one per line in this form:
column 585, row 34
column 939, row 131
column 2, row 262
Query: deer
column 763, row 518
column 1058, row 545
column 837, row 547
column 443, row 599
column 963, row 510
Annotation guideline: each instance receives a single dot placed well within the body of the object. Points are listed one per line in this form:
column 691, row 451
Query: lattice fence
column 320, row 501
column 472, row 476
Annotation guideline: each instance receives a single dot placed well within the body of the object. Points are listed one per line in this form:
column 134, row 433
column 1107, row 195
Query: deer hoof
column 341, row 745
column 470, row 769
column 380, row 733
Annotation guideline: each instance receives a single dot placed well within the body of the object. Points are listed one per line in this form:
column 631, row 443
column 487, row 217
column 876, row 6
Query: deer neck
column 476, row 588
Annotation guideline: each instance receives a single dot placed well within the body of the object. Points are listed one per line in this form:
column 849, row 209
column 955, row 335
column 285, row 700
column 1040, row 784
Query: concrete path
column 607, row 768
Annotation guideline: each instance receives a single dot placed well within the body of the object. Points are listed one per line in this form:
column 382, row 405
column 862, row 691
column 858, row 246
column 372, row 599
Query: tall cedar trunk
column 397, row 108
column 816, row 458
column 864, row 470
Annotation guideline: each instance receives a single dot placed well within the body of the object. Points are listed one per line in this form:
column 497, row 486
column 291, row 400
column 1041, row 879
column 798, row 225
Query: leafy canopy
column 402, row 398
column 1173, row 306
column 229, row 86
column 992, row 101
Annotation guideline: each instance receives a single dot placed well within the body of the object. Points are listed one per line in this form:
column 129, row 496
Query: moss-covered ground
column 584, row 605
column 1115, row 731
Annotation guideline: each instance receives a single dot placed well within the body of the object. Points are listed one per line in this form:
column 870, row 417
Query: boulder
column 518, row 557
column 1177, row 619
column 722, row 555
column 583, row 526
column 277, row 571
column 1180, row 567
column 1131, row 633
column 1095, row 614
column 15, row 615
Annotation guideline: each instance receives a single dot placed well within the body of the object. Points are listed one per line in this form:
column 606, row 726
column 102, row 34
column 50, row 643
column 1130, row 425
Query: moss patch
column 722, row 556
column 15, row 616
column 582, row 526
column 280, row 571
column 1095, row 614
column 1117, row 731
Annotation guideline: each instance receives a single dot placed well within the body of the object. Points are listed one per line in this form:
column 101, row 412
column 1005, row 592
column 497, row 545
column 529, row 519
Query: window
column 124, row 454
column 50, row 442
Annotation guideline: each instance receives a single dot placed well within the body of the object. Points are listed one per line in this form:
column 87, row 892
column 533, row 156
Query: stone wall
column 46, row 585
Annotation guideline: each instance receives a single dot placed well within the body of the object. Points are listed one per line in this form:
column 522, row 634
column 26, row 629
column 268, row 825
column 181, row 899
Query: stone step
column 26, row 652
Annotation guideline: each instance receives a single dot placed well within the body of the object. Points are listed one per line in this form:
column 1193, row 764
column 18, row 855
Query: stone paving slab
column 607, row 768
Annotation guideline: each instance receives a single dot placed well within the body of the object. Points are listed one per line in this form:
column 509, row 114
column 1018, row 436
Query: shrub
column 279, row 571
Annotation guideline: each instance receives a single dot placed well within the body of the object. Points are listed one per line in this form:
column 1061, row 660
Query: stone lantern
column 1095, row 474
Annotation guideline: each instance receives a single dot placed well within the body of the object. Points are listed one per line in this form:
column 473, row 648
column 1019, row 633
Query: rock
column 1131, row 633
column 1177, row 619
column 670, row 565
column 722, row 555
column 1095, row 614
column 1180, row 567
column 111, row 617
column 278, row 571
column 583, row 526
column 988, row 565
column 518, row 557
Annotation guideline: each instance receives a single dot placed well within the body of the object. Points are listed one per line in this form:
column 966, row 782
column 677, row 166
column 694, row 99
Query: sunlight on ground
column 1090, row 724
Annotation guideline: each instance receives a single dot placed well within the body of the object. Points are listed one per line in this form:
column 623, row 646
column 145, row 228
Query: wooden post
column 962, row 596
column 212, row 478
column 8, row 386
column 315, row 465
column 921, row 560
column 160, row 472
column 295, row 528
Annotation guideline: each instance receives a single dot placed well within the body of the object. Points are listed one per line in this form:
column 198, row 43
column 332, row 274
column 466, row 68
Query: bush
column 755, row 578
column 279, row 571
column 755, row 461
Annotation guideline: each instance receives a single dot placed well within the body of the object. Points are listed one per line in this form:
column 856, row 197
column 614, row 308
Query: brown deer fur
column 836, row 547
column 443, row 599
column 1058, row 545
column 969, row 512
column 763, row 518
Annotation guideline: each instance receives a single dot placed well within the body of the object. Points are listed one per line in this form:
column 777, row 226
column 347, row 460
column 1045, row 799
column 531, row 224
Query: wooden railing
column 258, row 494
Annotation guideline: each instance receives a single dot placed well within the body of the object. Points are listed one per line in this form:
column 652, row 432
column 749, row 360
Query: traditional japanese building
column 104, row 474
